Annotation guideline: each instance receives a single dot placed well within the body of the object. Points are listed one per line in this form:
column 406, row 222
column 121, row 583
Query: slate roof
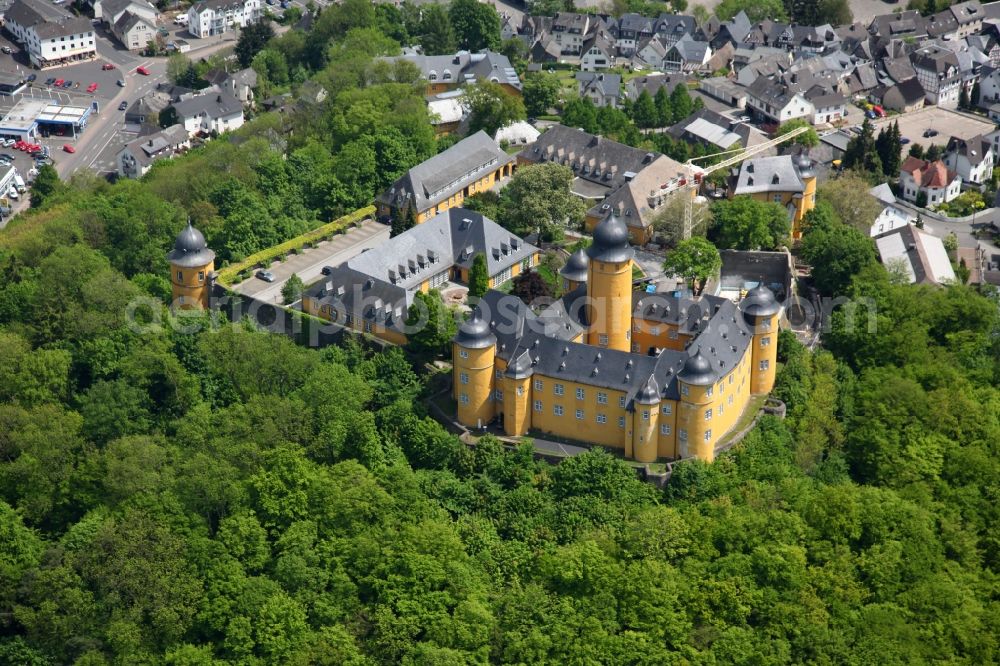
column 637, row 200
column 112, row 8
column 350, row 292
column 675, row 24
column 446, row 173
column 213, row 105
column 607, row 85
column 654, row 82
column 898, row 69
column 46, row 20
column 768, row 174
column 151, row 147
column 974, row 149
column 935, row 59
column 690, row 50
column 464, row 67
column 591, row 157
column 127, row 21
column 451, row 238
column 967, row 12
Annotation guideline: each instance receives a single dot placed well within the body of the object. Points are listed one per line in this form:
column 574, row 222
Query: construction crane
column 689, row 186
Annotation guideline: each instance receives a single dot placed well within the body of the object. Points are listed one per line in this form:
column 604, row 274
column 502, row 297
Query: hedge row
column 226, row 276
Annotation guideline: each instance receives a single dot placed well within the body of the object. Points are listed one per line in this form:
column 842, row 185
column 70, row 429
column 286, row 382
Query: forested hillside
column 226, row 497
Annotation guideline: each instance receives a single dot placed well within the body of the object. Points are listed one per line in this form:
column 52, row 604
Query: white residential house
column 919, row 255
column 971, row 158
column 109, row 11
column 133, row 31
column 210, row 112
column 137, row 157
column 935, row 180
column 50, row 36
column 598, row 52
column 215, row 17
column 600, row 88
column 938, row 72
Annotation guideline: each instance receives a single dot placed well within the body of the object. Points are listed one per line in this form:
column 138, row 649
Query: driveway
column 310, row 263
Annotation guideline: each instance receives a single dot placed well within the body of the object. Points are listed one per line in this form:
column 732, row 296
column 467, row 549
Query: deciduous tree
column 744, row 223
column 491, row 107
column 476, row 25
column 695, row 260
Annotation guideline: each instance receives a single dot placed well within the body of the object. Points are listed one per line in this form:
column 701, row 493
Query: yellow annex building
column 788, row 180
column 191, row 264
column 655, row 375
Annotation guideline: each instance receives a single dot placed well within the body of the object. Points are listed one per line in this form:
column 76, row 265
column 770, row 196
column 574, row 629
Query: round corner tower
column 609, row 286
column 473, row 356
column 761, row 312
column 191, row 265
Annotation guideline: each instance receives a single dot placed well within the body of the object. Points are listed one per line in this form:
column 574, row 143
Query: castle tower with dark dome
column 191, row 263
column 609, row 286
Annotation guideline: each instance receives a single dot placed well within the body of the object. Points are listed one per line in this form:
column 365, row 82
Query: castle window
column 463, row 353
column 497, row 373
column 464, row 398
column 667, row 409
column 201, row 278
column 672, row 335
column 557, row 410
column 664, row 429
column 180, row 276
column 579, row 415
column 685, row 390
column 602, row 398
column 764, row 365
column 579, row 394
column 731, row 377
column 538, row 384
column 645, row 415
column 538, row 405
column 621, row 421
column 708, row 391
column 708, row 435
column 602, row 340
column 558, row 389
column 464, row 378
column 730, row 399
column 708, row 414
column 655, row 330
column 498, row 395
column 621, row 401
column 602, row 418
column 765, row 341
column 682, row 434
column 721, row 408
column 520, row 390
column 368, row 327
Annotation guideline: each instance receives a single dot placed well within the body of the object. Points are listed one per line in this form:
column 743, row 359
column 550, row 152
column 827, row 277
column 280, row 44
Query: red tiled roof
column 928, row 174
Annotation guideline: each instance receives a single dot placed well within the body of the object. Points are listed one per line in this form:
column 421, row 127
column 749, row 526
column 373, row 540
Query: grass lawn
column 637, row 272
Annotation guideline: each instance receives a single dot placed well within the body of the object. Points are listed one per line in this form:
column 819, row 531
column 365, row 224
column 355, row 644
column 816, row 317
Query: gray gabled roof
column 690, row 50
column 213, row 105
column 448, row 172
column 351, row 292
column 768, row 174
column 608, row 85
column 451, row 238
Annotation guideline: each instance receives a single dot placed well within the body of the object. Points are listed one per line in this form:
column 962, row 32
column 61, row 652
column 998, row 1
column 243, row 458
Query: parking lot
column 309, row 264
column 947, row 123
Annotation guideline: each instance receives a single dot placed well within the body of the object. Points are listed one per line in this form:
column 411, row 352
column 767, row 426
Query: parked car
column 871, row 115
column 6, row 49
column 123, row 106
column 7, row 156
column 68, row 148
column 67, row 84
column 327, row 270
column 163, row 31
column 106, row 66
column 121, row 83
column 266, row 276
column 12, row 194
column 142, row 70
column 92, row 87
column 58, row 83
column 49, row 81
column 32, row 78
column 929, row 133
column 904, row 141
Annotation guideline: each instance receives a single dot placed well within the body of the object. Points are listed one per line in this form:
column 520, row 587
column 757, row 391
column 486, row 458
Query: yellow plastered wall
column 764, row 343
column 473, row 382
column 189, row 286
column 726, row 398
column 607, row 433
column 645, row 438
column 646, row 334
column 323, row 311
column 807, row 203
column 456, row 200
column 516, row 406
column 609, row 286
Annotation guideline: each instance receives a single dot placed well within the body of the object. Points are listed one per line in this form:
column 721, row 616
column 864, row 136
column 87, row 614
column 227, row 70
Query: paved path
column 310, row 263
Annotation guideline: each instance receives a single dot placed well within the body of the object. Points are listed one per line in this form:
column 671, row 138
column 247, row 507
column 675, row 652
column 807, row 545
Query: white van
column 19, row 183
column 182, row 19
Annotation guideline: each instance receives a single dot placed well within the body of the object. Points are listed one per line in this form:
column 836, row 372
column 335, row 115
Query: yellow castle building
column 654, row 375
column 191, row 264
column 787, row 180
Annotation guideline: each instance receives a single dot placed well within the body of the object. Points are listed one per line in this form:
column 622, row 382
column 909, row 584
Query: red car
column 106, row 66
column 59, row 82
column 34, row 149
column 68, row 148
column 92, row 87
column 142, row 70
